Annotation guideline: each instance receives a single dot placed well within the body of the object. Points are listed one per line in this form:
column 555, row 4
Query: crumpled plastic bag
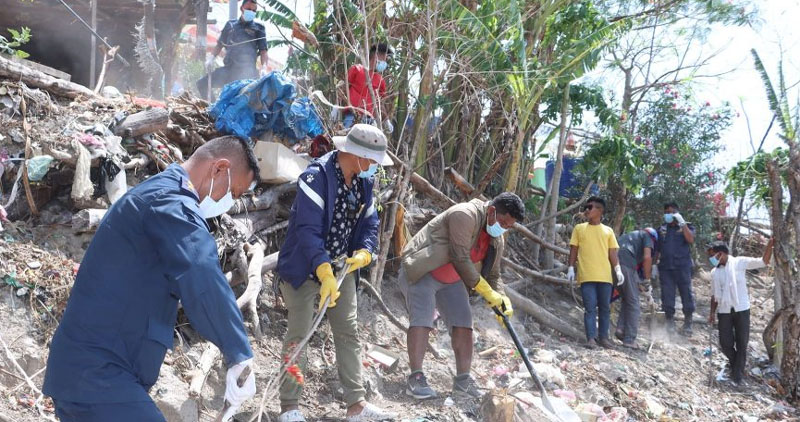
column 38, row 167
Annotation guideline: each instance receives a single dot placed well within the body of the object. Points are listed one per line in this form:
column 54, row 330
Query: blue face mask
column 495, row 230
column 248, row 15
column 714, row 261
column 381, row 66
column 668, row 218
column 369, row 172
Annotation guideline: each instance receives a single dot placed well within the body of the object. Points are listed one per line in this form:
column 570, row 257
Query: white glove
column 571, row 274
column 679, row 218
column 234, row 394
column 388, row 126
column 620, row 276
column 210, row 62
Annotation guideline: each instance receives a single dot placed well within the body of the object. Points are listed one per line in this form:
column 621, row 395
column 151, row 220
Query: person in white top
column 731, row 302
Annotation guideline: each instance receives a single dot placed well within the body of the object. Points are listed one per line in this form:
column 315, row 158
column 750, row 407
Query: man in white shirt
column 731, row 302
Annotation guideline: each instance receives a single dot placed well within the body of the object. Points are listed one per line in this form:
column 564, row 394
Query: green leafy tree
column 678, row 137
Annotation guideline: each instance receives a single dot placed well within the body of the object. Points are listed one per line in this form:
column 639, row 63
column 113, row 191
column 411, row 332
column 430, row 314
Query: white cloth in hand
column 620, row 276
column 234, row 394
column 571, row 274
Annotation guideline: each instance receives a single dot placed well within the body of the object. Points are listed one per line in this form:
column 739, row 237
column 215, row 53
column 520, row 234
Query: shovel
column 545, row 399
column 561, row 410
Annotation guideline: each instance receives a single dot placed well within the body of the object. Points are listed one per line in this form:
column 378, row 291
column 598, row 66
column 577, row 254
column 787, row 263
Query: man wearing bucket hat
column 332, row 215
column 636, row 251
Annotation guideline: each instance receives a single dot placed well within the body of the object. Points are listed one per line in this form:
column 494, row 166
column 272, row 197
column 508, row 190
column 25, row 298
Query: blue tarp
column 249, row 107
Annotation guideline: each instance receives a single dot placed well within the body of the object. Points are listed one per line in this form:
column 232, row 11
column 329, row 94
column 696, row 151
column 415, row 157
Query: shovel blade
column 556, row 409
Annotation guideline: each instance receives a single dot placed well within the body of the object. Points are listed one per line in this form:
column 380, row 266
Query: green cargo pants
column 302, row 303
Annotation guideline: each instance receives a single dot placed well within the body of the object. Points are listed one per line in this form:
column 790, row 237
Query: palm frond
column 772, row 97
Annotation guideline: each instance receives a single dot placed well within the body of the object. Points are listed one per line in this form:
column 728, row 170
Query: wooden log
column 20, row 72
column 541, row 315
column 204, row 366
column 529, row 234
column 262, row 201
column 248, row 301
column 423, row 186
column 143, row 122
column 270, row 262
column 461, row 183
column 535, row 274
column 88, row 219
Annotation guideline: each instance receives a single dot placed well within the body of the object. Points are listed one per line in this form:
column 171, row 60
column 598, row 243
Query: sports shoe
column 372, row 413
column 418, row 388
column 465, row 385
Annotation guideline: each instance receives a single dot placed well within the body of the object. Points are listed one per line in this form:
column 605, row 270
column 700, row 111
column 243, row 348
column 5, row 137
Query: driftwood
column 461, row 183
column 204, row 366
column 270, row 262
column 249, row 299
column 143, row 122
column 541, row 315
column 535, row 275
column 425, row 187
column 529, row 234
column 19, row 72
column 263, row 201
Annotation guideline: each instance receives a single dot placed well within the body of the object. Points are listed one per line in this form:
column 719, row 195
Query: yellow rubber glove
column 328, row 286
column 494, row 298
column 360, row 259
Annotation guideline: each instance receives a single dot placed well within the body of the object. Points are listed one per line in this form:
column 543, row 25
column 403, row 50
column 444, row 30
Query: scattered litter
column 545, row 356
column 34, row 265
column 449, row 402
column 22, row 291
column 565, row 394
column 385, row 358
column 38, row 167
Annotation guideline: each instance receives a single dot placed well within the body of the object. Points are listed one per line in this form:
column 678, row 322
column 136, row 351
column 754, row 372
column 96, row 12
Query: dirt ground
column 670, row 382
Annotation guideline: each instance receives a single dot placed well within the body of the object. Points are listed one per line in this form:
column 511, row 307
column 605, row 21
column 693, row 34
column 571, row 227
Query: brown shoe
column 591, row 344
column 632, row 345
column 605, row 343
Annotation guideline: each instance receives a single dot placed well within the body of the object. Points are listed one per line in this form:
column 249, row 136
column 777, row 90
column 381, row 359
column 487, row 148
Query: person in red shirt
column 359, row 94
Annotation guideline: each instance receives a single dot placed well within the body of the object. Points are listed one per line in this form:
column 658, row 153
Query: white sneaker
column 291, row 416
column 372, row 413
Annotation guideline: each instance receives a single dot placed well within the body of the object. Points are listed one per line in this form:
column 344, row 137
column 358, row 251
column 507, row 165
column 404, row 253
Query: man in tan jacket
column 458, row 250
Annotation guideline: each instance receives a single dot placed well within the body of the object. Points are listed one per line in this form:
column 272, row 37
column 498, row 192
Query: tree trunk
column 542, row 316
column 15, row 71
column 143, row 122
column 516, row 160
column 555, row 184
column 619, row 196
column 201, row 12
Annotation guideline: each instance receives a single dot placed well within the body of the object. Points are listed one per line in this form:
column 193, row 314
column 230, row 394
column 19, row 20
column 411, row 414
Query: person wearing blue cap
column 243, row 40
column 636, row 251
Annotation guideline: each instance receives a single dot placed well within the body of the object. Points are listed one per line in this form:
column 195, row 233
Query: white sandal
column 372, row 413
column 291, row 416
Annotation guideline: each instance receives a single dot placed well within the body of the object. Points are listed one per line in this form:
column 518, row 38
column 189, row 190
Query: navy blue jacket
column 151, row 250
column 674, row 251
column 243, row 41
column 312, row 212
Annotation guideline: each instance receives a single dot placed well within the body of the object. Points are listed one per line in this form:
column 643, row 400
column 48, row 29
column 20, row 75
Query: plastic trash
column 250, row 107
column 565, row 394
column 449, row 402
column 116, row 185
column 38, row 167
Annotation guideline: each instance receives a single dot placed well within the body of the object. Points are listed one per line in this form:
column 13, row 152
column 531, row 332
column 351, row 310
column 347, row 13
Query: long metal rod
column 89, row 27
column 93, row 55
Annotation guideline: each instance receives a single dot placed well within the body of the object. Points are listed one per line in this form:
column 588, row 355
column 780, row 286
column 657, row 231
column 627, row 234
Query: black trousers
column 734, row 333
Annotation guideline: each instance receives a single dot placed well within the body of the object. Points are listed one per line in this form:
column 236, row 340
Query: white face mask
column 209, row 208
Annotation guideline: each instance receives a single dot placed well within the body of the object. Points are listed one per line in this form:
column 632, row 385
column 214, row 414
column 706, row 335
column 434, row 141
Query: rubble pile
column 81, row 155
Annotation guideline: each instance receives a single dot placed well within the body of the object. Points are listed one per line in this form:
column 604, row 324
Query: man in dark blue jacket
column 152, row 249
column 243, row 40
column 675, row 266
column 333, row 215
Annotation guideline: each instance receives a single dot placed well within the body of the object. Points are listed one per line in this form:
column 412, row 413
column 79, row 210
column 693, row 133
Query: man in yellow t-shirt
column 594, row 246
